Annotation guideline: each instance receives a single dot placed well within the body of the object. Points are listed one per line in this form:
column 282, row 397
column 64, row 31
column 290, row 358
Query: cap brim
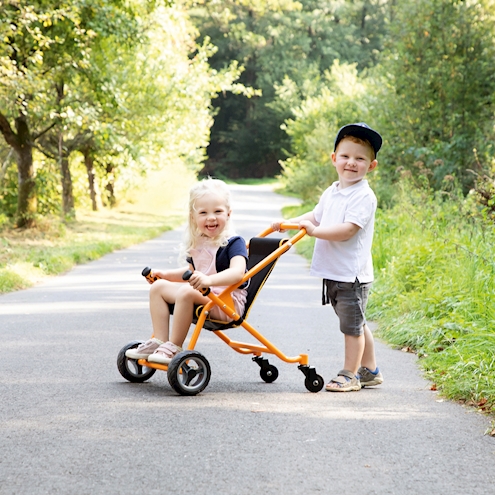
column 360, row 132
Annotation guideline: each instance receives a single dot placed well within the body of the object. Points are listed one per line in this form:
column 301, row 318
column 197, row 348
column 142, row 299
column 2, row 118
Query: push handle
column 147, row 273
column 286, row 226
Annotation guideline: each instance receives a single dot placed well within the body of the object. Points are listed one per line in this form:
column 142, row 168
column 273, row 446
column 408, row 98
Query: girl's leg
column 162, row 292
column 186, row 298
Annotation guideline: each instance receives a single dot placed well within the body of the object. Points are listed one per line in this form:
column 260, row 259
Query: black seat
column 259, row 249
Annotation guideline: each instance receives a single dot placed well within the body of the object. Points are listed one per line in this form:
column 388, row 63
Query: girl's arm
column 174, row 275
column 339, row 232
column 231, row 275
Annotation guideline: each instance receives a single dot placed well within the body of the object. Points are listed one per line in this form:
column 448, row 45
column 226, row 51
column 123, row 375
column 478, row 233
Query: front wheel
column 189, row 373
column 129, row 368
column 314, row 385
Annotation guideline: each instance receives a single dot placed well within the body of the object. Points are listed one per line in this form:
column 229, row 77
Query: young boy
column 342, row 223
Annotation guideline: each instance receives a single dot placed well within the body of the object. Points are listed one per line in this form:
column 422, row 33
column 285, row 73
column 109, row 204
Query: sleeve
column 319, row 208
column 237, row 247
column 360, row 212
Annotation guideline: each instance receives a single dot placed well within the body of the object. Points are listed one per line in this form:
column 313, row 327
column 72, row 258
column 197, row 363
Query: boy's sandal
column 369, row 379
column 345, row 381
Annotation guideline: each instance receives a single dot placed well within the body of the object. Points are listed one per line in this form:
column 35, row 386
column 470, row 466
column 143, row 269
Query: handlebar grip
column 148, row 274
column 187, row 275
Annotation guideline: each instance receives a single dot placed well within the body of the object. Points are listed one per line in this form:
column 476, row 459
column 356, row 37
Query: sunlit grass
column 434, row 292
column 53, row 247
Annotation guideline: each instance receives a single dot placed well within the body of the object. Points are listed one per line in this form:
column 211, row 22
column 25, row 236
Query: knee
column 157, row 288
column 185, row 291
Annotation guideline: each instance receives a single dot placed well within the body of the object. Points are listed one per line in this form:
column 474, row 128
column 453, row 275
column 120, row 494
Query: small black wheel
column 189, row 373
column 314, row 385
column 129, row 368
column 269, row 373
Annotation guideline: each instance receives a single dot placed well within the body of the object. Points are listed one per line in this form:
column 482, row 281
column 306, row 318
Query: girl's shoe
column 142, row 351
column 345, row 381
column 369, row 378
column 164, row 353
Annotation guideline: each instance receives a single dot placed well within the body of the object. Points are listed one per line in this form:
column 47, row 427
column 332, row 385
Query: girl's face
column 211, row 214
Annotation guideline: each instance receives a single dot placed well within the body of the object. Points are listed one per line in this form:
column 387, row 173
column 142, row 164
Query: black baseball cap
column 361, row 131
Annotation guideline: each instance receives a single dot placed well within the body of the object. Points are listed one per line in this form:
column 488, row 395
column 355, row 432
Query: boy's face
column 352, row 161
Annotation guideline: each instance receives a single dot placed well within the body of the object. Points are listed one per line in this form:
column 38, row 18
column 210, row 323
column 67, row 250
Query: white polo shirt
column 344, row 261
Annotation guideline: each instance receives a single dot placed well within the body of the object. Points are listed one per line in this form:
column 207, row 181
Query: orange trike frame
column 313, row 381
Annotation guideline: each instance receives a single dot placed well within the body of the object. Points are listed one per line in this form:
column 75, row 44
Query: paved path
column 70, row 424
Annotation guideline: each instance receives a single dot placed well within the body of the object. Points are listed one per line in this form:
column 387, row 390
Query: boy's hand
column 309, row 226
column 276, row 226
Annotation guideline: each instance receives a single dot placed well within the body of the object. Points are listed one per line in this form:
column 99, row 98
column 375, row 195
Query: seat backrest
column 259, row 249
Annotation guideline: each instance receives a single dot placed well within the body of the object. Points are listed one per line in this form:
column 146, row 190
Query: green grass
column 54, row 247
column 434, row 290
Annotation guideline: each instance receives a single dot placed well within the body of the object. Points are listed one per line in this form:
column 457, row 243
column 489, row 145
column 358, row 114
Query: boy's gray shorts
column 349, row 301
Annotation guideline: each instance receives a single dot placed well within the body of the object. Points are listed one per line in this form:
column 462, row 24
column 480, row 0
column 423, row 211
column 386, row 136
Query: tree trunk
column 67, row 194
column 110, row 186
column 89, row 162
column 22, row 145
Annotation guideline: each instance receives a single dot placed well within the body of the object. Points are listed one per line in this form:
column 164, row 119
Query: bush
column 340, row 100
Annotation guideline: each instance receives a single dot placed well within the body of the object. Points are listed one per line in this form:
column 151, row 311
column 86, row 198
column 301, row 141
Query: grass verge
column 54, row 247
column 434, row 292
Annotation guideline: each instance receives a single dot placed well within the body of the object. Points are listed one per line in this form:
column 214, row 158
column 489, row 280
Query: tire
column 314, row 385
column 189, row 373
column 269, row 374
column 129, row 368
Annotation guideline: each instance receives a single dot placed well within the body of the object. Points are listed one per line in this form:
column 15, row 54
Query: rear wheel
column 269, row 373
column 314, row 385
column 189, row 373
column 129, row 368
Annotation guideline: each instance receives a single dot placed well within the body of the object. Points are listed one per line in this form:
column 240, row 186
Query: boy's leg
column 346, row 379
column 349, row 302
column 368, row 360
column 354, row 349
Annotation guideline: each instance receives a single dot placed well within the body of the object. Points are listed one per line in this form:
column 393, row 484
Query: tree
column 438, row 105
column 46, row 44
column 275, row 40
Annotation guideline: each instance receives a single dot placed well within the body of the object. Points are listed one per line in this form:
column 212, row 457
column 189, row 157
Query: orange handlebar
column 283, row 226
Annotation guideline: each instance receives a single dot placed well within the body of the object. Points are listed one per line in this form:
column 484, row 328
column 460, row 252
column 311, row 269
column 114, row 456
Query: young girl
column 218, row 259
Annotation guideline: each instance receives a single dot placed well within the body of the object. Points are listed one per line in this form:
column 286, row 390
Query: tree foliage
column 124, row 84
column 275, row 40
column 439, row 89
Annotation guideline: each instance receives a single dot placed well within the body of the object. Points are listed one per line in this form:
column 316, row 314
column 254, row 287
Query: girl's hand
column 200, row 281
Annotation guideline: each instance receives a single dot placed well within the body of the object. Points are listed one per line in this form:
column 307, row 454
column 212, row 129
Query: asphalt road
column 70, row 424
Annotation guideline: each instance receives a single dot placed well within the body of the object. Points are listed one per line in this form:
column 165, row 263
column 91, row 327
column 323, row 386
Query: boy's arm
column 339, row 232
column 305, row 217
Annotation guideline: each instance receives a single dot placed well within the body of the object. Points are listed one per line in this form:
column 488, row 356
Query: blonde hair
column 192, row 234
